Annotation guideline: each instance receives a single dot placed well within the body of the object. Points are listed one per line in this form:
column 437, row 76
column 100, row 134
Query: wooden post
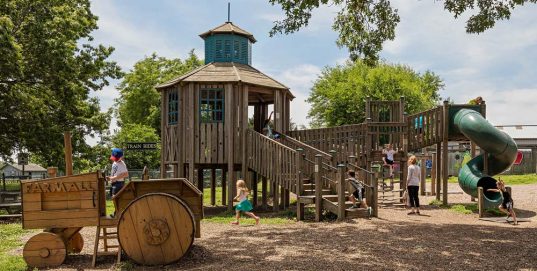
column 230, row 115
column 375, row 198
column 213, row 187
column 341, row 193
column 254, row 189
column 264, row 188
column 433, row 174
column 223, row 177
column 439, row 164
column 244, row 127
column 445, row 160
column 299, row 186
column 200, row 180
column 423, row 176
column 318, row 187
column 68, row 149
column 282, row 197
column 275, row 196
column 3, row 181
column 480, row 201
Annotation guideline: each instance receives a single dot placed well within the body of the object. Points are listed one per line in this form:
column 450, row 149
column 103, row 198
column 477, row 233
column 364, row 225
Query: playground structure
column 205, row 127
column 156, row 223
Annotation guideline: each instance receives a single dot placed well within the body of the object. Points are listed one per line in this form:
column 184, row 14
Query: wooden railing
column 425, row 128
column 340, row 142
column 370, row 179
column 273, row 160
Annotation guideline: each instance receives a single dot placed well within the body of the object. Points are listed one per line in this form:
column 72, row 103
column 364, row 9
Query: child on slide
column 507, row 203
column 244, row 204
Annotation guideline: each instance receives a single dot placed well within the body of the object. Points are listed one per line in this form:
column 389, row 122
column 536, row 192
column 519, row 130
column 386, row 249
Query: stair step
column 308, row 192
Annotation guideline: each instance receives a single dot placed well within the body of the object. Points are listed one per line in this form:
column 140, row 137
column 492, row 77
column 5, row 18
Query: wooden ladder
column 106, row 231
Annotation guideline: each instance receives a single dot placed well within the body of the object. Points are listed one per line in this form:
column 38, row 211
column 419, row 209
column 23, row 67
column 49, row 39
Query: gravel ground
column 439, row 239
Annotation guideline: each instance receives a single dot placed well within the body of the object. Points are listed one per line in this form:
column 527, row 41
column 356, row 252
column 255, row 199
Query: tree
column 138, row 133
column 48, row 67
column 338, row 95
column 364, row 26
column 139, row 101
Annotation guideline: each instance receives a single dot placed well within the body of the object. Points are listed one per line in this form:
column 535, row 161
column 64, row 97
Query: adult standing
column 413, row 185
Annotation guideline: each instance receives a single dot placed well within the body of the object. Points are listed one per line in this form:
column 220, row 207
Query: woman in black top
column 507, row 203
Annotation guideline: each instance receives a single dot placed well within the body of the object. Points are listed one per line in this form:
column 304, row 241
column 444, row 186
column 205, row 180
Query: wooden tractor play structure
column 155, row 222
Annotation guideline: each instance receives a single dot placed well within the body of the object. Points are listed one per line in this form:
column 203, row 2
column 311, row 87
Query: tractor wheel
column 156, row 229
column 44, row 250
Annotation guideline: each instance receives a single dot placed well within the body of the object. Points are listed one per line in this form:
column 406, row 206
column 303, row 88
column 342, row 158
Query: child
column 388, row 160
column 359, row 192
column 244, row 204
column 413, row 182
column 507, row 203
column 119, row 171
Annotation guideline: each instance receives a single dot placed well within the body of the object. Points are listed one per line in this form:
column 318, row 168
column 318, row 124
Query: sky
column 498, row 65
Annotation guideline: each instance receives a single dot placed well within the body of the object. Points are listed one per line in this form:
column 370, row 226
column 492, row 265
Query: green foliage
column 338, row 95
column 11, row 239
column 48, row 68
column 364, row 26
column 139, row 101
column 138, row 133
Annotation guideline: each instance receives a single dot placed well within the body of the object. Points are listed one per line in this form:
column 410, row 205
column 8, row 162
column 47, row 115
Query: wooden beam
column 229, row 125
column 213, row 186
column 244, row 126
column 68, row 151
column 438, row 172
column 264, row 188
column 254, row 188
column 445, row 160
column 223, row 176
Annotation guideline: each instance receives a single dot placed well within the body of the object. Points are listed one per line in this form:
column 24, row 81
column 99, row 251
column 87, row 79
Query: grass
column 9, row 240
column 11, row 186
column 280, row 218
column 509, row 179
column 218, row 196
column 467, row 208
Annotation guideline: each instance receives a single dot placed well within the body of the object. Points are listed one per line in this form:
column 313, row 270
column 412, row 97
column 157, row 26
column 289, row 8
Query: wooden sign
column 141, row 146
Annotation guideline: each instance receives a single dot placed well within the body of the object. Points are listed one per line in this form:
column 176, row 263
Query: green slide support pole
column 501, row 152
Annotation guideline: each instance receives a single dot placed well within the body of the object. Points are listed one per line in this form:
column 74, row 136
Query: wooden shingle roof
column 227, row 72
column 229, row 27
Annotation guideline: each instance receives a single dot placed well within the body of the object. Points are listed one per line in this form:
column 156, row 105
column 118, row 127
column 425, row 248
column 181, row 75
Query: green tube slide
column 501, row 150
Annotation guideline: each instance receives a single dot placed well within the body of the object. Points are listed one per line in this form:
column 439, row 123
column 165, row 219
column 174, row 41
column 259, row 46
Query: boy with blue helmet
column 119, row 171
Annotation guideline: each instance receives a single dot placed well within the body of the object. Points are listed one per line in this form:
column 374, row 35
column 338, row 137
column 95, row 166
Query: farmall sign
column 58, row 186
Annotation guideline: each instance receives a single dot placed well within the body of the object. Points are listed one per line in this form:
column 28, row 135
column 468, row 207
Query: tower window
column 236, row 50
column 173, row 107
column 227, row 49
column 219, row 49
column 212, row 105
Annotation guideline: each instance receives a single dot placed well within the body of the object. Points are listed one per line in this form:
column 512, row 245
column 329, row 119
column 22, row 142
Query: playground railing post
column 341, row 192
column 374, row 200
column 480, row 201
column 318, row 187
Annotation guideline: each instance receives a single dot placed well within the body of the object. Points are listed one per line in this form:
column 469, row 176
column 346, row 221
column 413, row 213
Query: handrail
column 306, row 146
column 361, row 168
column 329, row 166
